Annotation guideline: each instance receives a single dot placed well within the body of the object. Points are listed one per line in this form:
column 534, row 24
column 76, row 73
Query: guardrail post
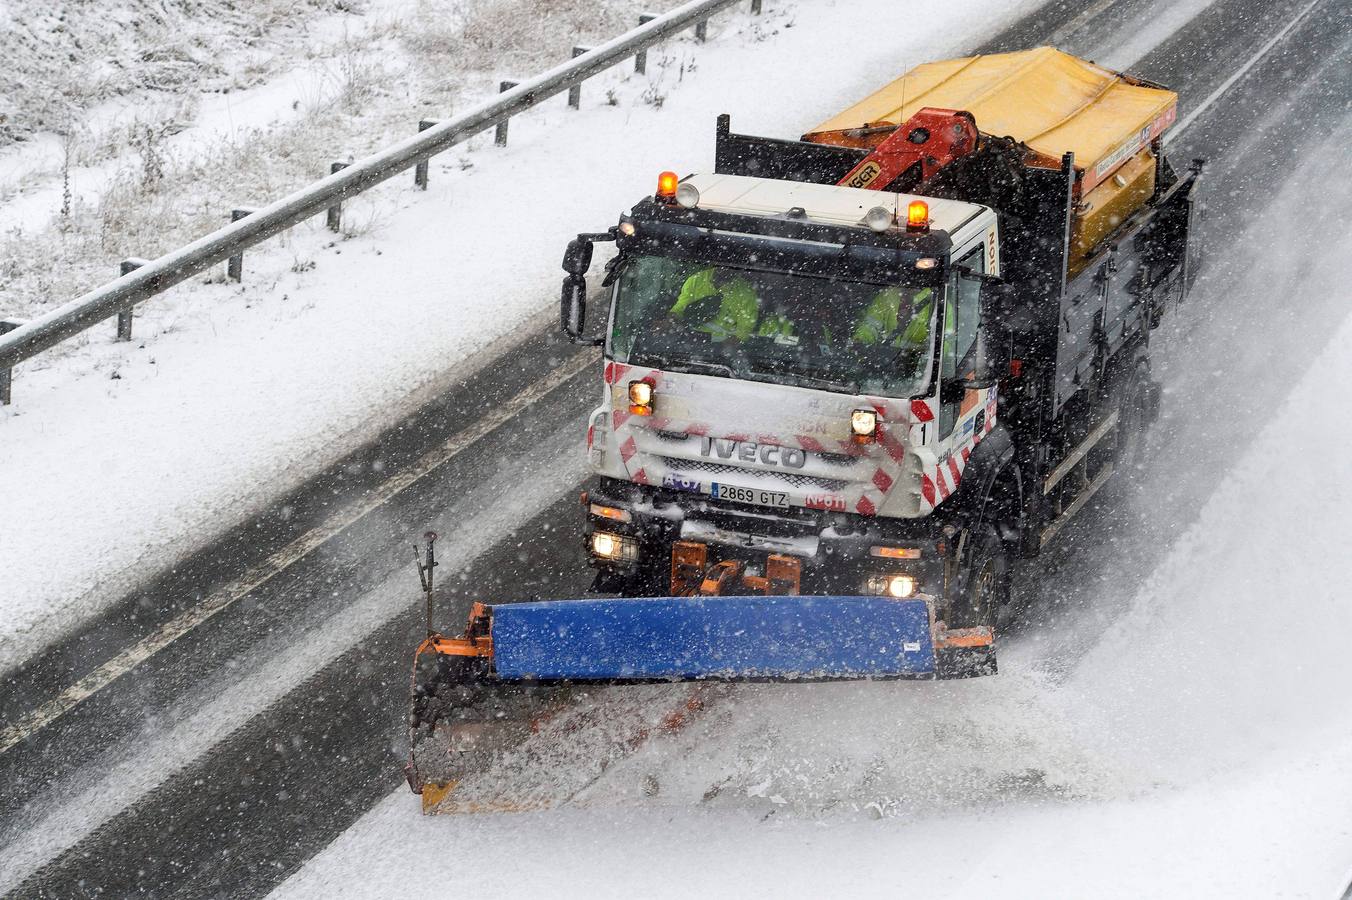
column 335, row 214
column 7, row 375
column 124, row 317
column 641, row 57
column 755, row 7
column 420, row 170
column 234, row 266
column 575, row 92
column 500, row 133
column 702, row 30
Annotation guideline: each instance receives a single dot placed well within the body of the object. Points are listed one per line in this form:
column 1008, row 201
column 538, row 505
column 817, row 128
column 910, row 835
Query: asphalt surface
column 236, row 816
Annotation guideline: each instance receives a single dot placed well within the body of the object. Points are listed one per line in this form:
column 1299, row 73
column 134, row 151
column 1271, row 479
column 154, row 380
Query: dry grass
column 514, row 36
column 61, row 58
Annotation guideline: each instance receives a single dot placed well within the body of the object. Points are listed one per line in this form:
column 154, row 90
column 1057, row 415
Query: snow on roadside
column 232, row 394
column 32, row 176
column 151, row 170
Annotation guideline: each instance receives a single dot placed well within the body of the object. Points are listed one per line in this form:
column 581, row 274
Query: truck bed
column 1049, row 102
column 1053, row 102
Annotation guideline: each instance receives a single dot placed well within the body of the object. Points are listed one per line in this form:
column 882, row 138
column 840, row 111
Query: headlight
column 614, row 547
column 864, row 423
column 641, row 398
column 899, row 586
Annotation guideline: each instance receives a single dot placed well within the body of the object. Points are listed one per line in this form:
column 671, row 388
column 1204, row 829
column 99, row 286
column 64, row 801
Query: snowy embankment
column 1192, row 743
column 170, row 79
column 233, row 394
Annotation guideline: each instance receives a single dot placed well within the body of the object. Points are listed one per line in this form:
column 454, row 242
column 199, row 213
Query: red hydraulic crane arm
column 932, row 137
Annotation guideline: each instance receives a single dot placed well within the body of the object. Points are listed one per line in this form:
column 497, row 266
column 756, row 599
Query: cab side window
column 962, row 314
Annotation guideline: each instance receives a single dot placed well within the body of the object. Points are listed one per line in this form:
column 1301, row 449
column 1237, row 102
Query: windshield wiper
column 776, row 368
column 902, row 353
column 687, row 364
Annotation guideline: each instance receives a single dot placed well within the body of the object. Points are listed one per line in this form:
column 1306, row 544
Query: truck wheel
column 1133, row 417
column 985, row 585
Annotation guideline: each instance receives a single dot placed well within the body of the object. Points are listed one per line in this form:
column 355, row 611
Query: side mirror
column 577, row 258
column 983, row 373
column 997, row 297
column 951, row 390
column 573, row 305
column 976, row 370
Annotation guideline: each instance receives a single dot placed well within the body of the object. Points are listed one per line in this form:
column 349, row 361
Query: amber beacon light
column 666, row 186
column 917, row 216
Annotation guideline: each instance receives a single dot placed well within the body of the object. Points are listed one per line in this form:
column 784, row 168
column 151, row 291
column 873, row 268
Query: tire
column 984, row 586
column 1133, row 418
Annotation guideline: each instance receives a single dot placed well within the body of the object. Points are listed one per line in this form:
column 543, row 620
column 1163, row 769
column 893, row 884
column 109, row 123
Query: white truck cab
column 789, row 351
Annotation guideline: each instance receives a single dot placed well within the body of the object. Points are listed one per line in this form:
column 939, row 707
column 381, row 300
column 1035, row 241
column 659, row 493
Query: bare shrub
column 357, row 76
column 61, row 59
column 502, row 35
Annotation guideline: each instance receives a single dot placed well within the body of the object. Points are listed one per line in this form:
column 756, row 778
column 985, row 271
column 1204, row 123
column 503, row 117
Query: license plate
column 754, row 496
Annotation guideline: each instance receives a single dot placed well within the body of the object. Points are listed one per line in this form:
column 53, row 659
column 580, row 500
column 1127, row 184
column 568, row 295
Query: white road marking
column 1239, row 73
column 224, row 597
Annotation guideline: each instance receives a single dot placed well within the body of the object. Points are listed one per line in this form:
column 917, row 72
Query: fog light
column 864, row 425
column 614, row 513
column 899, row 586
column 895, row 552
column 614, row 547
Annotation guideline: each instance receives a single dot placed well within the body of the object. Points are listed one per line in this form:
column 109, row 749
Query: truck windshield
column 850, row 337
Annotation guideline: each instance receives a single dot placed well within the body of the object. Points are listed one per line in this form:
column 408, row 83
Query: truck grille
column 716, row 469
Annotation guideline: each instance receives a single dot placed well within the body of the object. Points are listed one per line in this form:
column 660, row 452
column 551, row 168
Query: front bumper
column 836, row 549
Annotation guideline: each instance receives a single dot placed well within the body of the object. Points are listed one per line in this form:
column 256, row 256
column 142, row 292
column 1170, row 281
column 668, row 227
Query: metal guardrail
column 147, row 278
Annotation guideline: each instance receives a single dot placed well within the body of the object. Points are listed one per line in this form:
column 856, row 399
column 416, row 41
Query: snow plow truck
column 848, row 379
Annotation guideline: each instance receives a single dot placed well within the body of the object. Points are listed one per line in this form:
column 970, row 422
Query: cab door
column 962, row 315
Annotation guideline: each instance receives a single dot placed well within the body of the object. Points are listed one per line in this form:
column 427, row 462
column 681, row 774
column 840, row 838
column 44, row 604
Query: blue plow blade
column 773, row 638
